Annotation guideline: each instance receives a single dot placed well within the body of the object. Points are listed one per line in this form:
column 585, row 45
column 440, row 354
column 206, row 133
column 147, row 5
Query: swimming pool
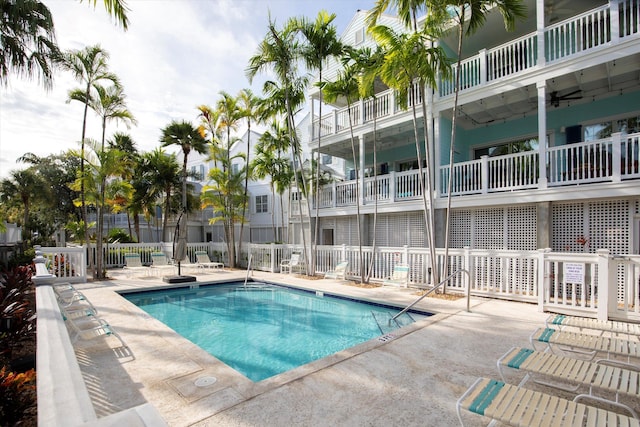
column 262, row 330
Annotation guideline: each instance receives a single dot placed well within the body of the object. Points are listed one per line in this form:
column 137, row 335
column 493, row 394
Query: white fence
column 570, row 283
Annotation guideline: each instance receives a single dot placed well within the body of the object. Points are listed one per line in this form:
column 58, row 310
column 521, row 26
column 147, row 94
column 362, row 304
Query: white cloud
column 176, row 55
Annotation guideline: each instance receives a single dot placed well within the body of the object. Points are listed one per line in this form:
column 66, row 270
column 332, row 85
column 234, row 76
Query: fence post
column 616, row 157
column 273, row 257
column 484, row 174
column 543, row 278
column 467, row 266
column 607, row 283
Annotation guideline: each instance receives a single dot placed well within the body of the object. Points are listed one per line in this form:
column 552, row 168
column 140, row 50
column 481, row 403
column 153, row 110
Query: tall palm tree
column 346, row 86
column 249, row 107
column 88, row 66
column 321, row 43
column 160, row 176
column 125, row 143
column 110, row 104
column 23, row 186
column 188, row 138
column 27, row 37
column 473, row 15
column 279, row 52
column 412, row 60
column 101, row 166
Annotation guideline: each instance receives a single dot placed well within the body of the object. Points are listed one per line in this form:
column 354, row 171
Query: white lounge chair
column 291, row 264
column 92, row 328
column 561, row 321
column 516, row 406
column 569, row 374
column 132, row 264
column 586, row 344
column 340, row 272
column 160, row 263
column 399, row 277
column 203, row 261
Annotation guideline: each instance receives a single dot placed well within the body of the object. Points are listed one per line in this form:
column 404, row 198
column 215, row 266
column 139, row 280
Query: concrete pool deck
column 411, row 377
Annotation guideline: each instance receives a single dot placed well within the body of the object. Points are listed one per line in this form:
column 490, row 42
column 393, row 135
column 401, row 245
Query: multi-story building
column 547, row 138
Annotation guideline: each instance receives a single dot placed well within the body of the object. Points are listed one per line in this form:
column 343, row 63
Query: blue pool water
column 263, row 330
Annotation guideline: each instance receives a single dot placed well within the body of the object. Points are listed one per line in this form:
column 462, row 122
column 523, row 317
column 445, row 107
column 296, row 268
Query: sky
column 176, row 55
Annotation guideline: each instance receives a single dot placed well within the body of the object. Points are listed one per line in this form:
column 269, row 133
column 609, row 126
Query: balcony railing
column 575, row 36
column 612, row 159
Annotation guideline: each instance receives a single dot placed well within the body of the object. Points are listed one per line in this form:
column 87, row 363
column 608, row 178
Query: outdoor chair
column 203, row 261
column 73, row 300
column 562, row 322
column 569, row 374
column 132, row 264
column 160, row 263
column 93, row 328
column 340, row 272
column 517, row 406
column 399, row 277
column 292, row 264
column 587, row 344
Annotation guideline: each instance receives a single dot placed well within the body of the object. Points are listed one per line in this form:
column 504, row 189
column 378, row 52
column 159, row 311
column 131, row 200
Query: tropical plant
column 17, row 394
column 89, row 67
column 27, row 37
column 472, row 15
column 23, row 186
column 17, row 309
column 117, row 9
column 279, row 51
column 346, row 86
column 411, row 64
column 160, row 176
column 320, row 44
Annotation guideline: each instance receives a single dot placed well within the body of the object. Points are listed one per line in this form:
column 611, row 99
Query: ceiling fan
column 555, row 98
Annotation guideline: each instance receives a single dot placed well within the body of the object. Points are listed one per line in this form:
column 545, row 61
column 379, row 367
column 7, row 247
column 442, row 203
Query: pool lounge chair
column 92, row 328
column 569, row 374
column 517, row 406
column 291, row 265
column 400, row 276
column 203, row 261
column 587, row 344
column 340, row 272
column 561, row 321
column 132, row 264
column 160, row 263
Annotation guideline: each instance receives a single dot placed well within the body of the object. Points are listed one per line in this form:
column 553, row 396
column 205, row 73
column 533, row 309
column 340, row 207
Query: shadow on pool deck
column 414, row 378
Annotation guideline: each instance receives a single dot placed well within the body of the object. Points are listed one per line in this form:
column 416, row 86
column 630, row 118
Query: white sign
column 573, row 273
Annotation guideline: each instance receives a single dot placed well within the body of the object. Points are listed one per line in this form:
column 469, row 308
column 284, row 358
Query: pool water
column 262, row 330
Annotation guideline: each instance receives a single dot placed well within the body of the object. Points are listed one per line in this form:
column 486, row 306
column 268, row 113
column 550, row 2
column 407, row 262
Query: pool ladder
column 246, row 279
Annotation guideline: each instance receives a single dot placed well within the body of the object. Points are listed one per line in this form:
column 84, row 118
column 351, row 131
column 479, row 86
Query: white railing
column 68, row 264
column 377, row 188
column 407, row 185
column 346, row 193
column 586, row 284
column 590, row 30
column 583, row 32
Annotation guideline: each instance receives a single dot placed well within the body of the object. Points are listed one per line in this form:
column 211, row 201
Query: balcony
column 613, row 159
column 571, row 39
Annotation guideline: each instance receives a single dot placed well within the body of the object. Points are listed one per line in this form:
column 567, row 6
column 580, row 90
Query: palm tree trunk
column 246, row 184
column 355, row 164
column 83, row 202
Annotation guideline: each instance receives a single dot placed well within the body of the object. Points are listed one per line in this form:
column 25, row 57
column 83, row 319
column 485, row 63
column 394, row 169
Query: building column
column 544, row 225
column 440, row 222
column 542, row 135
column 361, row 139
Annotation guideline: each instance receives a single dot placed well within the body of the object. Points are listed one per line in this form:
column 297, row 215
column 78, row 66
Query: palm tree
column 412, row 60
column 88, row 66
column 101, row 166
column 27, row 37
column 159, row 176
column 110, row 104
column 321, row 43
column 229, row 116
column 248, row 104
column 124, row 143
column 116, row 8
column 23, row 186
column 473, row 15
column 346, row 86
column 279, row 51
column 188, row 138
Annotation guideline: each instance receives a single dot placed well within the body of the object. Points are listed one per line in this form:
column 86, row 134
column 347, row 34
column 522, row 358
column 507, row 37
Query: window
column 327, row 159
column 595, row 131
column 359, row 36
column 511, row 147
column 235, row 168
column 262, row 204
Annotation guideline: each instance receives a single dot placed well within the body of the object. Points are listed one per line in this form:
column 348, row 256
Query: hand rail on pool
column 433, row 289
column 248, row 270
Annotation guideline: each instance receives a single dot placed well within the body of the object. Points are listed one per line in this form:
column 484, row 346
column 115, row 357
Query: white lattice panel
column 489, row 229
column 346, row 232
column 567, row 227
column 401, row 229
column 609, row 226
column 461, row 229
column 522, row 224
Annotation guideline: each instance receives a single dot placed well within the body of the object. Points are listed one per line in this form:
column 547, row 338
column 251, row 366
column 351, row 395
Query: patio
column 415, row 377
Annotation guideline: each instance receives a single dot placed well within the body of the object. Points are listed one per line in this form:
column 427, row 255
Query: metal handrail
column 446, row 279
column 248, row 270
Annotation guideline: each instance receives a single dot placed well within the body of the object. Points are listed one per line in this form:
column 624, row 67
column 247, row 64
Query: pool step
column 386, row 322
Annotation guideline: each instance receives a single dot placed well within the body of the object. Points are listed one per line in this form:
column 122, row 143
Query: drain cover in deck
column 205, row 381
